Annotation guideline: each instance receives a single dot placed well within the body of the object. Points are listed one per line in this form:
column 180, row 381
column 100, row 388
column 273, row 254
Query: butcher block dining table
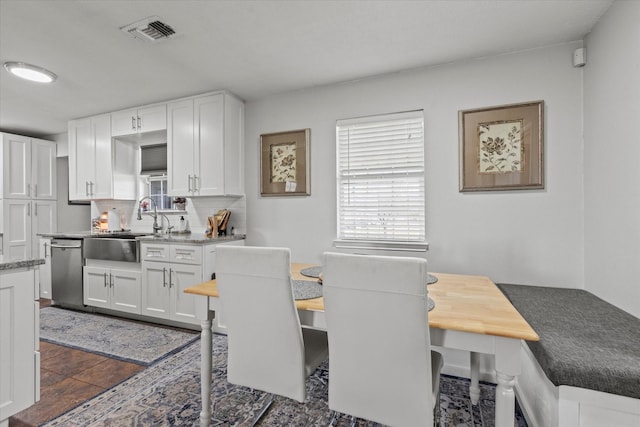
column 470, row 314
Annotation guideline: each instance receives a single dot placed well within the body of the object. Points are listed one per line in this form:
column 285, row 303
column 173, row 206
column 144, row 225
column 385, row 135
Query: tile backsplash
column 198, row 209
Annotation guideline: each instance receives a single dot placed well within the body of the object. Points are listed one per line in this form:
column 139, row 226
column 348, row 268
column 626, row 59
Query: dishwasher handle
column 53, row 245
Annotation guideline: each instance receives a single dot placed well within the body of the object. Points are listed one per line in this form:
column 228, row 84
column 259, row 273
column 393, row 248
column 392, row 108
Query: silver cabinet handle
column 110, row 280
column 45, row 250
column 35, row 209
column 189, row 178
column 28, row 190
column 164, row 277
column 133, row 123
column 196, row 183
column 139, row 123
column 86, row 188
column 35, row 190
column 105, row 280
column 29, row 209
column 170, row 283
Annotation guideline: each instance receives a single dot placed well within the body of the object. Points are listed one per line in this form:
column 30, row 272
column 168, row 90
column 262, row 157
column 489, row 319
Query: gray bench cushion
column 584, row 341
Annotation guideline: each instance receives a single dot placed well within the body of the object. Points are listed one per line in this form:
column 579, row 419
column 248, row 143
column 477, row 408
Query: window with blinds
column 380, row 168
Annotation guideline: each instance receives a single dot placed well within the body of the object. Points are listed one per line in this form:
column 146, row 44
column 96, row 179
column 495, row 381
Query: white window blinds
column 380, row 168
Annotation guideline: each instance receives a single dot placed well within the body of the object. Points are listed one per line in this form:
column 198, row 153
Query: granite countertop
column 11, row 264
column 196, row 238
column 193, row 238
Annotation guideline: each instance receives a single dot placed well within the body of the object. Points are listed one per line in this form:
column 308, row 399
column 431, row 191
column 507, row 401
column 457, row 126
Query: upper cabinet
column 98, row 167
column 205, row 146
column 29, row 166
column 139, row 120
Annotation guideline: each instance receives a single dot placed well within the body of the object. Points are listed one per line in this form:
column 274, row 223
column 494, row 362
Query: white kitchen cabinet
column 19, row 335
column 205, row 146
column 168, row 269
column 99, row 168
column 44, row 271
column 139, row 120
column 29, row 167
column 23, row 221
column 112, row 288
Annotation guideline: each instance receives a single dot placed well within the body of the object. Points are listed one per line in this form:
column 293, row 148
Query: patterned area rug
column 168, row 394
column 108, row 336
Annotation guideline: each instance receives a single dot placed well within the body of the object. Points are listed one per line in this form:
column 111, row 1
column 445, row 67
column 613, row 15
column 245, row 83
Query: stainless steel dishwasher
column 66, row 272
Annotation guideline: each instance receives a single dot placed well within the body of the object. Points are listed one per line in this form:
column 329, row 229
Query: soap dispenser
column 182, row 224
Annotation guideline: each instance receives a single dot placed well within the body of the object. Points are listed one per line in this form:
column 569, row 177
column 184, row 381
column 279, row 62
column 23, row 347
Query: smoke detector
column 150, row 29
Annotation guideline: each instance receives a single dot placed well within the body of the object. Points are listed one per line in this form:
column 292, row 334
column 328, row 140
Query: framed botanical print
column 284, row 164
column 501, row 148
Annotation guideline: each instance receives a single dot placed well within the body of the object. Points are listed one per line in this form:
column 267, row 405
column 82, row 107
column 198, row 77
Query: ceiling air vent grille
column 150, row 29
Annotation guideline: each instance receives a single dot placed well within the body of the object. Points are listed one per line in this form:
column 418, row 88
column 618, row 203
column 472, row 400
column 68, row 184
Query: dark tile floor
column 69, row 377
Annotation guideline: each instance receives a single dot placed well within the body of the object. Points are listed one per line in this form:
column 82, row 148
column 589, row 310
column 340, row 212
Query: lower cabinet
column 167, row 270
column 44, row 275
column 116, row 289
column 19, row 341
column 163, row 294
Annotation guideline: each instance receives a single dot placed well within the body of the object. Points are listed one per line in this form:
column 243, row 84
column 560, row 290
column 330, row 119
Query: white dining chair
column 268, row 349
column 381, row 367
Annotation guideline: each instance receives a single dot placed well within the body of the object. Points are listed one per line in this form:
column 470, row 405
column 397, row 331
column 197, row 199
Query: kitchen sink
column 110, row 247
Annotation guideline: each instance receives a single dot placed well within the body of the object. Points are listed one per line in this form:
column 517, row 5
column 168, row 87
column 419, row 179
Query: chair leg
column 334, row 418
column 436, row 411
column 263, row 411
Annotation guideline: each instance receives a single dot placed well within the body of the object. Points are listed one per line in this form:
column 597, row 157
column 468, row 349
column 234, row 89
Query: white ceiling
column 252, row 48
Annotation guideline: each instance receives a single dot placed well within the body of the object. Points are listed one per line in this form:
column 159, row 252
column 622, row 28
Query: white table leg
column 507, row 367
column 505, row 400
column 206, row 341
column 474, row 388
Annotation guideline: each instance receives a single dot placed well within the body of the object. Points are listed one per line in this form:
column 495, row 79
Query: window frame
column 412, row 170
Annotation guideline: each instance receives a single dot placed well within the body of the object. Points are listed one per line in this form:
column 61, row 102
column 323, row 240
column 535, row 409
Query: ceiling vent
column 150, row 29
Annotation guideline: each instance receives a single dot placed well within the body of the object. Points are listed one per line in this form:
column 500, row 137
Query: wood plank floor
column 69, row 377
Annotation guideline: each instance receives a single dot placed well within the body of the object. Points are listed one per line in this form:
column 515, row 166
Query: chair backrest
column 266, row 348
column 376, row 310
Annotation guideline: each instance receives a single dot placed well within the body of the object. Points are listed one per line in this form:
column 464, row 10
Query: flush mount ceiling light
column 30, row 72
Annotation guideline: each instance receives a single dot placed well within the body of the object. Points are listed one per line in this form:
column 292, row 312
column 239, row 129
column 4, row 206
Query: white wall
column 532, row 237
column 612, row 157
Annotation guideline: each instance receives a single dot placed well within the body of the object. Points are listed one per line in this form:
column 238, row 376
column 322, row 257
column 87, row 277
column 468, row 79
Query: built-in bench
column 585, row 370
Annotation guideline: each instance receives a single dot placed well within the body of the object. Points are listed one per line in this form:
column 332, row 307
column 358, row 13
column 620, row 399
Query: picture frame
column 285, row 163
column 502, row 147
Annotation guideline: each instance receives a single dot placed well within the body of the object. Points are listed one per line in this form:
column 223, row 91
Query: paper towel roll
column 114, row 220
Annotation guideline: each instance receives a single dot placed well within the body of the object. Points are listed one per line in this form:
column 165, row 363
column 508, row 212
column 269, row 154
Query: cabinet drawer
column 186, row 254
column 155, row 252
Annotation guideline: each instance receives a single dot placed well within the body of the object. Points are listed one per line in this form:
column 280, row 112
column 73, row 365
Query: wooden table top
column 463, row 303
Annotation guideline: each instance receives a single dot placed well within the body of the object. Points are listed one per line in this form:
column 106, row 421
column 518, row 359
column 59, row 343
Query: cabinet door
column 96, row 287
column 126, row 292
column 44, row 246
column 17, row 229
column 101, row 181
column 152, row 119
column 155, row 252
column 209, row 145
column 19, row 369
column 44, row 220
column 155, row 290
column 43, row 172
column 124, row 122
column 17, row 166
column 180, row 151
column 81, row 155
column 186, row 254
column 183, row 306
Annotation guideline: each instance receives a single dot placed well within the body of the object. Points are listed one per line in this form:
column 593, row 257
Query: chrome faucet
column 156, row 227
column 169, row 226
